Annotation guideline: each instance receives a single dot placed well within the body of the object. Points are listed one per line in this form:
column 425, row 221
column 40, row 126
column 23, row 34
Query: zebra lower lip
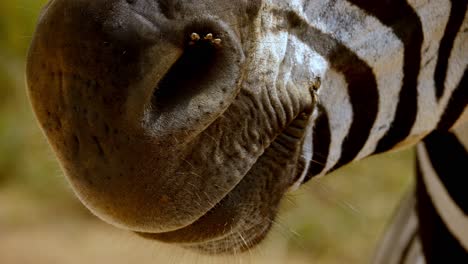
column 223, row 222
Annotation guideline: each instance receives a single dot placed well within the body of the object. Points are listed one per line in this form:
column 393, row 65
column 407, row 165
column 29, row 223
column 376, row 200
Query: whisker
column 245, row 243
column 330, row 193
column 210, row 136
column 190, row 164
column 291, row 234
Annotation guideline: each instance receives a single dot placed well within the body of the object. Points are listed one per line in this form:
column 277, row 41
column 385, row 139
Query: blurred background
column 336, row 219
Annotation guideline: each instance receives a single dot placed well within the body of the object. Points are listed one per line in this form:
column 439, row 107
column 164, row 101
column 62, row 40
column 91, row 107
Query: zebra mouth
column 123, row 168
column 225, row 227
column 232, row 225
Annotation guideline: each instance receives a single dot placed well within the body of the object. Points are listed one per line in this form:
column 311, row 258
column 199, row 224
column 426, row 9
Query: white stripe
column 415, row 254
column 434, row 16
column 457, row 64
column 421, row 260
column 463, row 119
column 461, row 132
column 451, row 214
column 399, row 234
column 307, row 150
column 335, row 99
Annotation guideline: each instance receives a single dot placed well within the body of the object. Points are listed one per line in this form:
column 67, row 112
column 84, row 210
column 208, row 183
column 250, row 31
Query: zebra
column 187, row 121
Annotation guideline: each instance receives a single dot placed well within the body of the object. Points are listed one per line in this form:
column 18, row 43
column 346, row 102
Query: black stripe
column 438, row 244
column 449, row 159
column 364, row 99
column 406, row 25
column 456, row 104
column 362, row 84
column 457, row 14
column 321, row 145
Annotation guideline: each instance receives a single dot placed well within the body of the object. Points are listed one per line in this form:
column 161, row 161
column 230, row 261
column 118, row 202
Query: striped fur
column 395, row 74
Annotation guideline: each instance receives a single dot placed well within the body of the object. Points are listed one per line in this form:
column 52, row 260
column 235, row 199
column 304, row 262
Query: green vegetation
column 337, row 219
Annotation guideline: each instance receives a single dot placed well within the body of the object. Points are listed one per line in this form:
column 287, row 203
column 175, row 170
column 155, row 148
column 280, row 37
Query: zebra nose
column 132, row 22
column 122, row 111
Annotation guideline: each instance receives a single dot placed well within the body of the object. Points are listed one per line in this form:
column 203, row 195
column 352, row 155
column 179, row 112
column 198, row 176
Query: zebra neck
column 380, row 90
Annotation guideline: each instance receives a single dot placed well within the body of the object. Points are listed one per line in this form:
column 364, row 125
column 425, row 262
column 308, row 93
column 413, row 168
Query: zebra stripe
column 448, row 158
column 321, row 144
column 443, row 227
column 456, row 105
column 409, row 30
column 457, row 14
column 441, row 231
column 401, row 235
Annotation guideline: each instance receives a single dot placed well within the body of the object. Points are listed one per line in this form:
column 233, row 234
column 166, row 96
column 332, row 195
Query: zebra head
column 188, row 121
column 183, row 121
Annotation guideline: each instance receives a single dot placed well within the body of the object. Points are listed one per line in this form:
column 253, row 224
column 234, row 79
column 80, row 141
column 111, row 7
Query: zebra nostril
column 192, row 75
column 131, row 1
column 207, row 71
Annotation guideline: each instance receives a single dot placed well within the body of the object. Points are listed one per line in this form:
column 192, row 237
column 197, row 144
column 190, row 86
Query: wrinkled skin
column 187, row 143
